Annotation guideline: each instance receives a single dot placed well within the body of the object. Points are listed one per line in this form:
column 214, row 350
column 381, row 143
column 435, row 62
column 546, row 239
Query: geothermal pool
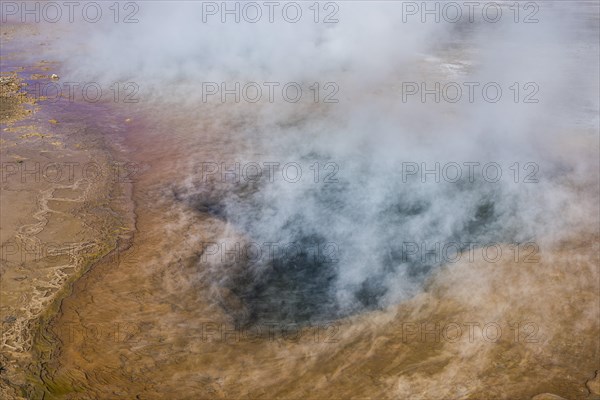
column 307, row 200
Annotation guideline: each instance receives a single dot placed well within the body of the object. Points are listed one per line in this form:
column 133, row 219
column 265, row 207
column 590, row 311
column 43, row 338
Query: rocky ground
column 60, row 205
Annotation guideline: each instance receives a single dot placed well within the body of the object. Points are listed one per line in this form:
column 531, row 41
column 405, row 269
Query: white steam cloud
column 372, row 134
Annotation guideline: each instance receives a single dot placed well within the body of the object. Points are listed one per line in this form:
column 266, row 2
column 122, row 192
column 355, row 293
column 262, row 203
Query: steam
column 370, row 137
